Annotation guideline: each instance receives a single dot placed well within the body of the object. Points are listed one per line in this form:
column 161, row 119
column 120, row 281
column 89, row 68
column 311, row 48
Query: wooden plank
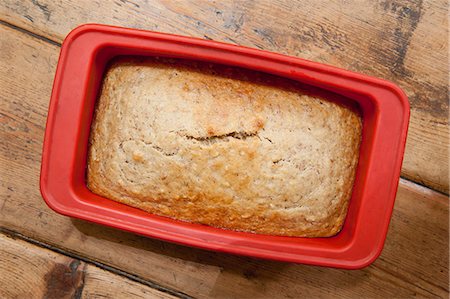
column 398, row 40
column 29, row 271
column 414, row 261
column 103, row 284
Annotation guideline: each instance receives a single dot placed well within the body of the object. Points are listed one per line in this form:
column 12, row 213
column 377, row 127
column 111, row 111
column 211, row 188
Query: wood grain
column 414, row 261
column 399, row 40
column 29, row 271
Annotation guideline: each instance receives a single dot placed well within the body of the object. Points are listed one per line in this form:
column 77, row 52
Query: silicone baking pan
column 84, row 55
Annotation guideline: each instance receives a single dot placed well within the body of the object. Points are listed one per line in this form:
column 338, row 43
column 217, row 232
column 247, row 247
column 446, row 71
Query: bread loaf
column 224, row 147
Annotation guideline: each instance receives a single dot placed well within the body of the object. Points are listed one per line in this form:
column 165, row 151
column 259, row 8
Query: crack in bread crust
column 223, row 137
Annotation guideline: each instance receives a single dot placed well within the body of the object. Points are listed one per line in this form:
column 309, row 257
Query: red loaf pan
column 84, row 55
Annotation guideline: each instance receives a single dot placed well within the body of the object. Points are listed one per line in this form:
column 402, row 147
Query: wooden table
column 43, row 254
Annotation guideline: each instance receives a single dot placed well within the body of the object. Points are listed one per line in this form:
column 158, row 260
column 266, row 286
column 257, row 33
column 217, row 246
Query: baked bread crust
column 224, row 147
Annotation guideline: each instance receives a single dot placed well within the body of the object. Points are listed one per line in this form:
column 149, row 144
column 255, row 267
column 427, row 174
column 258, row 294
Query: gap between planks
column 15, row 235
column 32, row 34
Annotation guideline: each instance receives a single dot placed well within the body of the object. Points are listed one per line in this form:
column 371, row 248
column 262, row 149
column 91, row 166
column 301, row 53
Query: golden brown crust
column 224, row 147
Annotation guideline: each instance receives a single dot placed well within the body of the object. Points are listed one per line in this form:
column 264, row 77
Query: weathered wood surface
column 408, row 46
column 414, row 261
column 29, row 271
column 399, row 40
